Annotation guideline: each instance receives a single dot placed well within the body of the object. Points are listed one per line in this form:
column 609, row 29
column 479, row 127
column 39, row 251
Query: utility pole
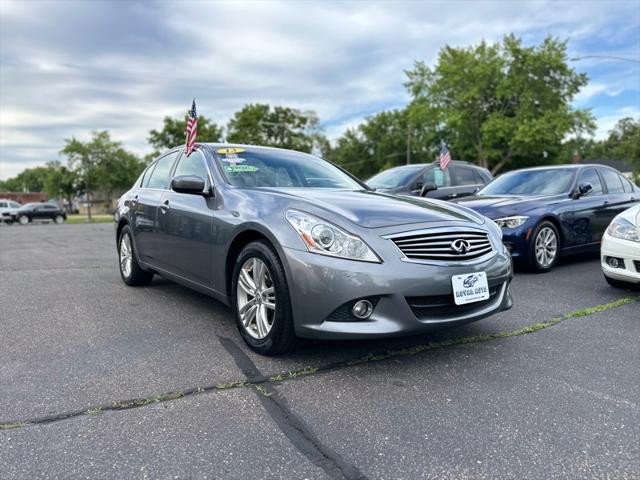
column 86, row 190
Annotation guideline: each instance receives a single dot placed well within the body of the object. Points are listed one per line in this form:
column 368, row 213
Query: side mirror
column 428, row 187
column 188, row 184
column 583, row 189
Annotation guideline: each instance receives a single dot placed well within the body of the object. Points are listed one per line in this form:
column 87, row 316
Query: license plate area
column 470, row 288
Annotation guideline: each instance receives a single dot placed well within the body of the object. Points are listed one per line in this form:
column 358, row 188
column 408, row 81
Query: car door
column 145, row 203
column 466, row 180
column 586, row 217
column 185, row 223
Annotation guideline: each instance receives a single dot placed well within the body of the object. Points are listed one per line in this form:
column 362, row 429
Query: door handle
column 164, row 206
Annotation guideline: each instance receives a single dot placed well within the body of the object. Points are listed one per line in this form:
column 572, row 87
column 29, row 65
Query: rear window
column 612, row 180
column 159, row 178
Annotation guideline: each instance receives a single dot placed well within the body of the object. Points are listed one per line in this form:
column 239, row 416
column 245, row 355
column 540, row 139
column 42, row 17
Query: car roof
column 571, row 166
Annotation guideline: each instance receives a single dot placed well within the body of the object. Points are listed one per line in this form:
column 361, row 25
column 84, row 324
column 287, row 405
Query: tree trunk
column 501, row 163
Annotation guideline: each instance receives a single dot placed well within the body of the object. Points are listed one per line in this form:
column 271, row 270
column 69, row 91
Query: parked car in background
column 620, row 252
column 38, row 212
column 428, row 180
column 7, row 209
column 300, row 248
column 546, row 212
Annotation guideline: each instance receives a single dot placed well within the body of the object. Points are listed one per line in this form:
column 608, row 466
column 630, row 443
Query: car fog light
column 615, row 262
column 362, row 309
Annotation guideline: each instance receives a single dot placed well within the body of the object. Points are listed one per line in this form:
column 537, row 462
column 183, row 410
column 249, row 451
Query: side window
column 437, row 176
column 465, row 176
column 50, row 207
column 626, row 185
column 612, row 180
column 194, row 164
column 591, row 176
column 159, row 178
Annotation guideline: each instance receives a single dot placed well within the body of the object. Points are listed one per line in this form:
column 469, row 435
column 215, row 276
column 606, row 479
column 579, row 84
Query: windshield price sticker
column 470, row 287
column 240, row 168
column 227, row 151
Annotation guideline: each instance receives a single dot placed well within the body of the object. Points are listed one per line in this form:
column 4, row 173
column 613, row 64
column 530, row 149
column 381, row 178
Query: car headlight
column 624, row 229
column 324, row 238
column 510, row 222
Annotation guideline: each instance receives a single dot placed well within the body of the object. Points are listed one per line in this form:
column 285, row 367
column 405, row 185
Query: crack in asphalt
column 292, row 426
column 256, row 380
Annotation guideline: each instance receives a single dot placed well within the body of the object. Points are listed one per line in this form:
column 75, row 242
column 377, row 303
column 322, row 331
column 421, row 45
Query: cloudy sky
column 70, row 67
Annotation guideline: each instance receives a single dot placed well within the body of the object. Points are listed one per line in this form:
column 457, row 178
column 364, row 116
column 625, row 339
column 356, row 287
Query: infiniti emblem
column 460, row 246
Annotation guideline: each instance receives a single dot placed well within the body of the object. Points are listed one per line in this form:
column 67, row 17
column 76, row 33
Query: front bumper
column 322, row 289
column 626, row 250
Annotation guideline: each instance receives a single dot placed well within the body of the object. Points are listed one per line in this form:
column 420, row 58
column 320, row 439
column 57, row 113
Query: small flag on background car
column 445, row 157
column 192, row 129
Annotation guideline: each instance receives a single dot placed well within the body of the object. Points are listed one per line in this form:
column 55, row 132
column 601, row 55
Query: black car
column 39, row 211
column 428, row 180
column 545, row 212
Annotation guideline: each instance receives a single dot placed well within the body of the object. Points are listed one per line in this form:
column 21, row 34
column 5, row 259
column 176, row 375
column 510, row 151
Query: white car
column 620, row 251
column 7, row 208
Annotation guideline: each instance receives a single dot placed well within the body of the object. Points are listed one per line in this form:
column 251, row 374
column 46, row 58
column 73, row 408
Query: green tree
column 29, row 180
column 61, row 181
column 502, row 105
column 385, row 140
column 284, row 127
column 101, row 164
column 173, row 133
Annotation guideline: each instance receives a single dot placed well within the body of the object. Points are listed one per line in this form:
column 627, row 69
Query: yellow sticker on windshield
column 227, row 151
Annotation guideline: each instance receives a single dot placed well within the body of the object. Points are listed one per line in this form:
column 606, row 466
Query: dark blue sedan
column 546, row 212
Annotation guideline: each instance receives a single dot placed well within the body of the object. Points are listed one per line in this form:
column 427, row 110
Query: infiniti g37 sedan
column 298, row 248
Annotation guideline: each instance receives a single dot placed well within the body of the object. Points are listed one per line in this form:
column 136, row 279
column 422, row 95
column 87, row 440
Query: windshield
column 531, row 182
column 244, row 167
column 396, row 177
column 30, row 205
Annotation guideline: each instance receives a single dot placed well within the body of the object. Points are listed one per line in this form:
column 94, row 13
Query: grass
column 102, row 218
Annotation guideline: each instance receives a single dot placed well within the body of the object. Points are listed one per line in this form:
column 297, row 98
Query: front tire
column 260, row 300
column 23, row 219
column 130, row 271
column 59, row 219
column 544, row 249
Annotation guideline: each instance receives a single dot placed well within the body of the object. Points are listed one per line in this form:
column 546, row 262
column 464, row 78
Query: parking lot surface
column 100, row 380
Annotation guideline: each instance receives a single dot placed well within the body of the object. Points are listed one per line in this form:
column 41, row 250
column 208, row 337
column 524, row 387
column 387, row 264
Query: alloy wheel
column 126, row 255
column 59, row 219
column 256, row 298
column 23, row 220
column 546, row 247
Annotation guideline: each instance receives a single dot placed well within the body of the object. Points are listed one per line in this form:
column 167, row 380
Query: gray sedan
column 299, row 248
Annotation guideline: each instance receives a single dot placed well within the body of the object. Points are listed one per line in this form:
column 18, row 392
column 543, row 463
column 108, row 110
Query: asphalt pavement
column 101, row 380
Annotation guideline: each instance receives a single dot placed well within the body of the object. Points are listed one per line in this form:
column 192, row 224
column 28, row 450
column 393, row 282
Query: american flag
column 192, row 129
column 445, row 157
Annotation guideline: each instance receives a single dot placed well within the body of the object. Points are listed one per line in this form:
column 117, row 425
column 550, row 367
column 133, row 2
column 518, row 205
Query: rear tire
column 130, row 271
column 59, row 219
column 544, row 249
column 266, row 324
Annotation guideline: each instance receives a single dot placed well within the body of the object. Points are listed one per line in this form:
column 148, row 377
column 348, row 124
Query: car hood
column 497, row 206
column 371, row 209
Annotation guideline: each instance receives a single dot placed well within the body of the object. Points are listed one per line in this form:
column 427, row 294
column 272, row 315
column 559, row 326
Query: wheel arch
column 556, row 223
column 241, row 240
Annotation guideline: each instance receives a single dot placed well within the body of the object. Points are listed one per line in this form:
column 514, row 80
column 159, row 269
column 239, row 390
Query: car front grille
column 440, row 245
column 443, row 305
